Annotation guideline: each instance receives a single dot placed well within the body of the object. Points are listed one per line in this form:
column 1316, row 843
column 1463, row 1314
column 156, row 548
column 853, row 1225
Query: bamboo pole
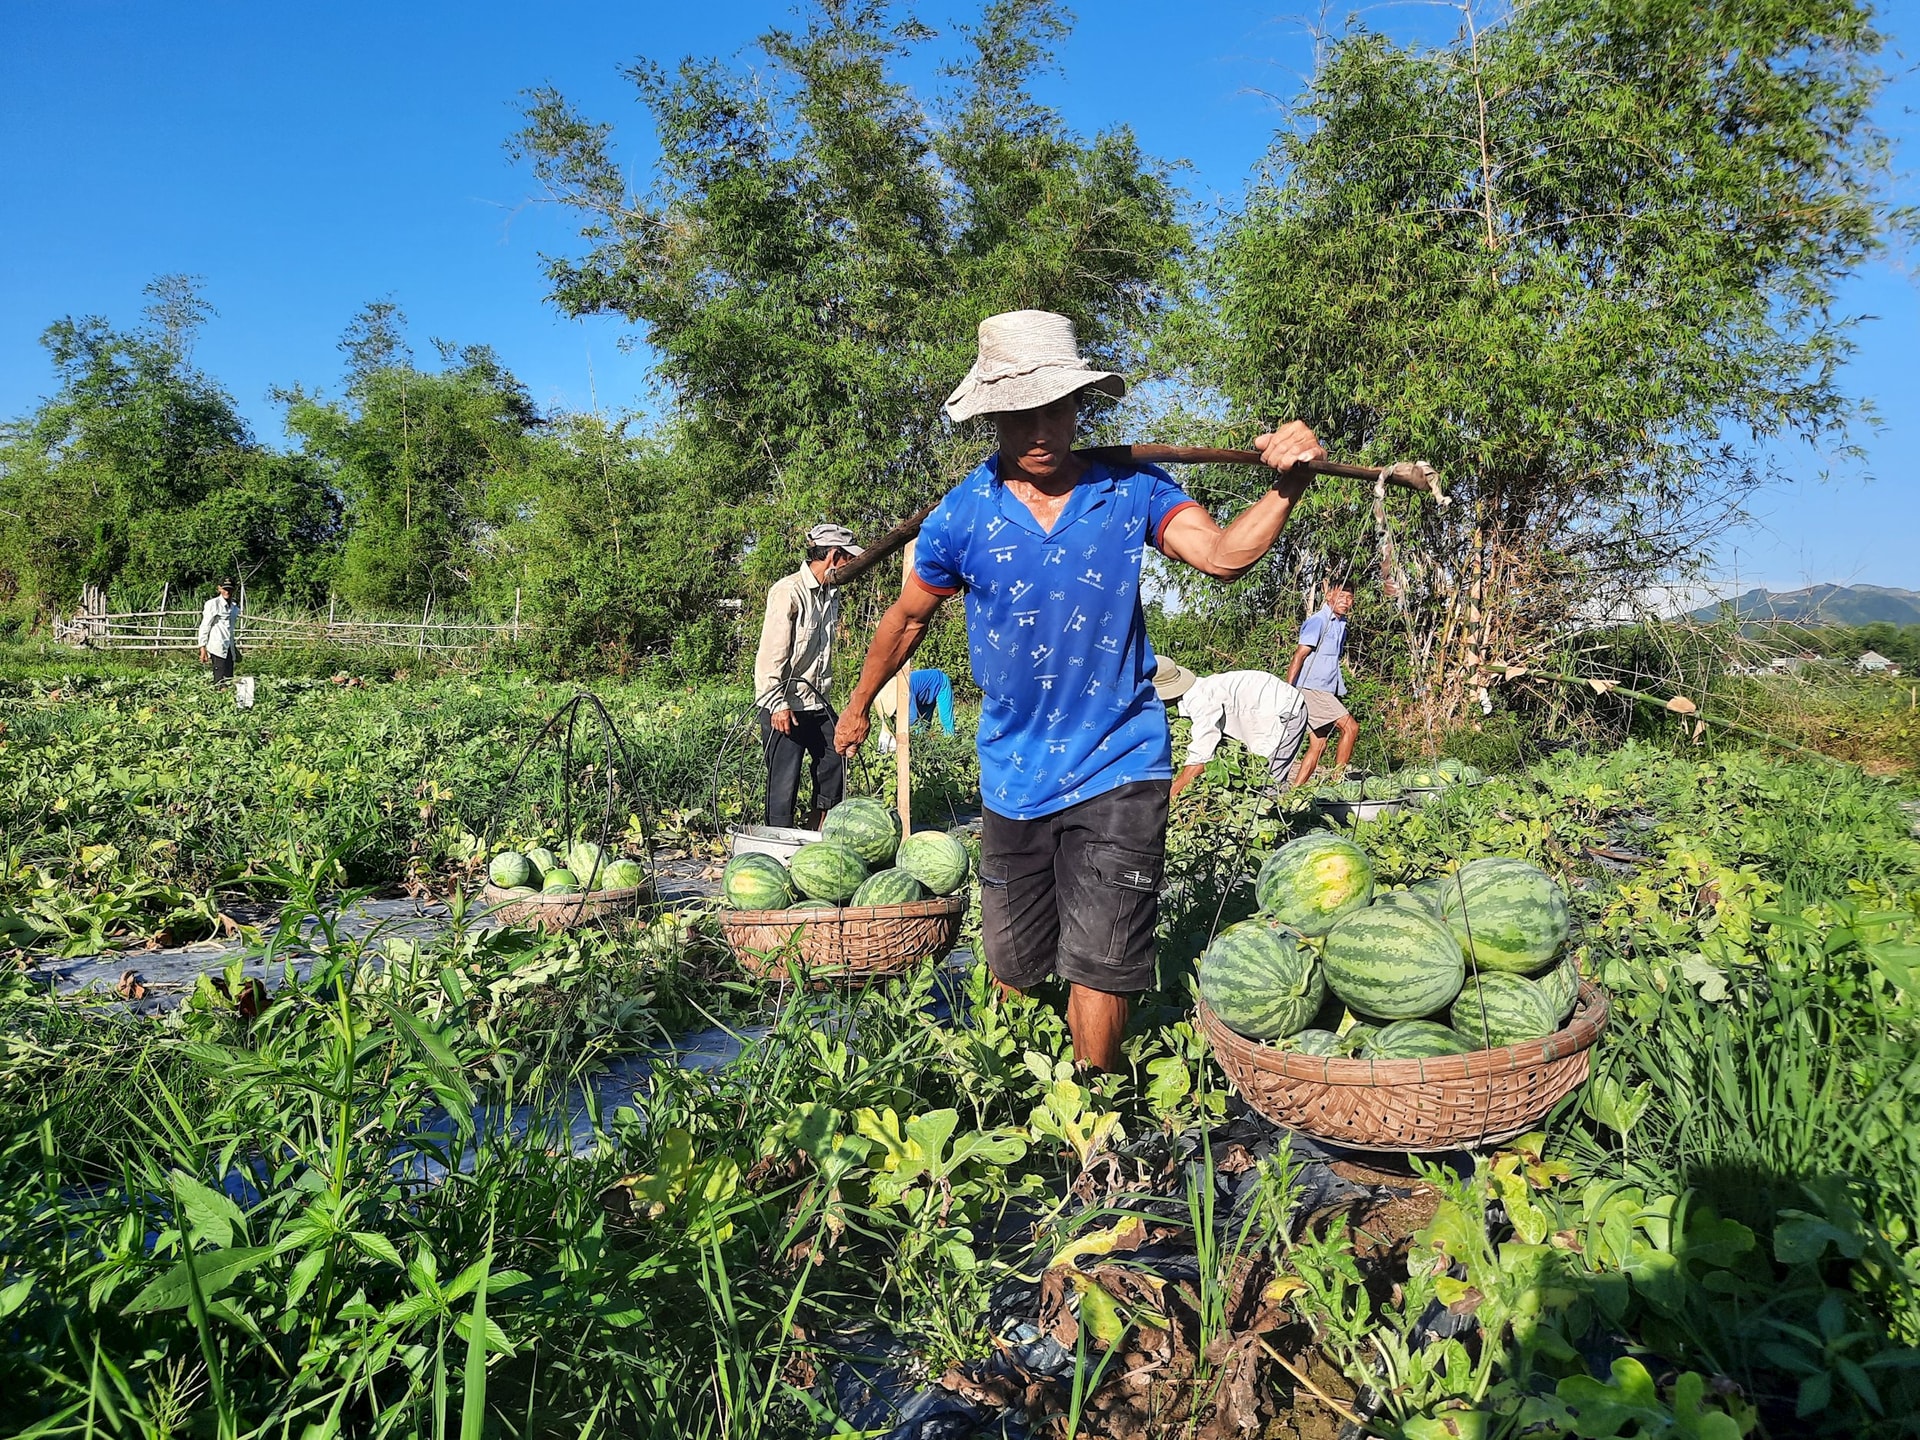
column 160, row 619
column 903, row 722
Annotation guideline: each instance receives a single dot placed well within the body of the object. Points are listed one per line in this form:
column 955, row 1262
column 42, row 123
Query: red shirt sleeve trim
column 943, row 591
column 1166, row 518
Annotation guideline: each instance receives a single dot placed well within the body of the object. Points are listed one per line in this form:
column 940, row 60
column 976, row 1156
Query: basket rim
column 1590, row 1012
column 841, row 914
column 578, row 897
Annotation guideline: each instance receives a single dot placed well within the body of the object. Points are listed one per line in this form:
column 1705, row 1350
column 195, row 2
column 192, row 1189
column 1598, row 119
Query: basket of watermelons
column 1359, row 799
column 536, row 887
column 861, row 903
column 1420, row 784
column 1442, row 1016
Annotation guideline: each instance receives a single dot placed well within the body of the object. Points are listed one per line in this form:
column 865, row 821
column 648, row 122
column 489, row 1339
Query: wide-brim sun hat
column 1171, row 680
column 1028, row 358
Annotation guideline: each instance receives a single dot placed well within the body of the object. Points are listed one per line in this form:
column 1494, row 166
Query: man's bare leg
column 1097, row 1022
column 1349, row 732
column 1315, row 744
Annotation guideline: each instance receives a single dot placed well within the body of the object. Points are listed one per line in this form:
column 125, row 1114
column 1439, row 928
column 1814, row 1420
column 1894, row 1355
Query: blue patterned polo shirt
column 1055, row 632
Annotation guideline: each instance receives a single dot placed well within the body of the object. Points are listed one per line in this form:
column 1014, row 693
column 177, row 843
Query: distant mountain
column 1820, row 605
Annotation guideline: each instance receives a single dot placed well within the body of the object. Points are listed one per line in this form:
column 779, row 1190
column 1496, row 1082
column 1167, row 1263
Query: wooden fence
column 162, row 628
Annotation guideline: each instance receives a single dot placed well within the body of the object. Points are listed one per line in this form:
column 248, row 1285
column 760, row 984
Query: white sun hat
column 1028, row 358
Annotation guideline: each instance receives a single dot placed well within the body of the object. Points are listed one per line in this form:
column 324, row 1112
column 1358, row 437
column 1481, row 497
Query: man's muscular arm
column 1193, row 537
column 901, row 630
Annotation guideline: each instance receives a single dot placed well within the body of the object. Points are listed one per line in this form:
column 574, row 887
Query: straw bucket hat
column 1171, row 680
column 1028, row 358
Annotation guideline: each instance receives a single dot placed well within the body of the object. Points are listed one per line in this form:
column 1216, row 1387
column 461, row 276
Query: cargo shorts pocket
column 1125, row 900
column 1019, row 928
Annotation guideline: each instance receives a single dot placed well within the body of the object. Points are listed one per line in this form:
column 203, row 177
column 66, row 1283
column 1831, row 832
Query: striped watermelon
column 935, row 859
column 756, row 882
column 559, row 882
column 1355, row 1040
column 587, row 860
column 1316, row 1042
column 1434, row 892
column 1260, row 980
column 865, row 826
column 826, row 870
column 1454, row 770
column 1311, row 882
column 509, row 870
column 813, row 905
column 1561, row 985
column 1416, row 1040
column 889, row 887
column 1509, row 913
column 1406, row 900
column 540, row 860
column 1496, row 1008
column 622, row 874
column 1394, row 963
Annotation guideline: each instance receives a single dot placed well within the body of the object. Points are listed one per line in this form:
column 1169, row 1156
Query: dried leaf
column 1681, row 705
column 132, row 986
column 1601, row 687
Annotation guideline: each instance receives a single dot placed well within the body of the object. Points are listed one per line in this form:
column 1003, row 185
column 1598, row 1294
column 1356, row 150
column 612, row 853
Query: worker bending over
column 1261, row 711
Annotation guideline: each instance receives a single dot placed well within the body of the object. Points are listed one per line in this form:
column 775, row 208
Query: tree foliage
column 1584, row 262
column 818, row 246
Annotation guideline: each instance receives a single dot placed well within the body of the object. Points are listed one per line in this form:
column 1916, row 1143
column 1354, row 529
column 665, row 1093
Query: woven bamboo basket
column 554, row 913
column 1446, row 1102
column 1350, row 810
column 853, row 946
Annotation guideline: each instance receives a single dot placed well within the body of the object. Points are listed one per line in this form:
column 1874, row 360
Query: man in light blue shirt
column 1315, row 673
column 1075, row 762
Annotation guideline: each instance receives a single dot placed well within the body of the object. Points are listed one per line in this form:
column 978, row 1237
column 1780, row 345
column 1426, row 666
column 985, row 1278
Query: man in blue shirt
column 930, row 693
column 1075, row 761
column 1315, row 672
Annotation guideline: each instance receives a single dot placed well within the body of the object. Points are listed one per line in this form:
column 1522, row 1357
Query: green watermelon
column 1380, row 787
column 1316, row 1042
column 756, row 882
column 1393, row 962
column 1433, row 892
column 1415, row 1040
column 889, row 887
column 586, row 860
column 1404, row 899
column 935, row 859
column 1472, row 774
column 865, row 826
column 1496, row 1009
column 827, row 870
column 1351, row 791
column 1260, row 980
column 1561, row 985
column 622, row 875
column 540, row 860
column 1423, row 780
column 813, row 905
column 509, row 870
column 1508, row 913
column 1311, row 882
column 1454, row 770
column 1355, row 1040
column 559, row 881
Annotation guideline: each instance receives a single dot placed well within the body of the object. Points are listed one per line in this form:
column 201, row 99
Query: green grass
column 1733, row 1196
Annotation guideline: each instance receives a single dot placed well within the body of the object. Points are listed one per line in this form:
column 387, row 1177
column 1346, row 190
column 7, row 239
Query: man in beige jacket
column 793, row 679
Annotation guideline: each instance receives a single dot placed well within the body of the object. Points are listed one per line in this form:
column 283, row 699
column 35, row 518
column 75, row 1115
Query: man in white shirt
column 793, row 679
column 1261, row 711
column 220, row 632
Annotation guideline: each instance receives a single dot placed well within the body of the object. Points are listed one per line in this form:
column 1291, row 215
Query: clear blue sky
column 306, row 159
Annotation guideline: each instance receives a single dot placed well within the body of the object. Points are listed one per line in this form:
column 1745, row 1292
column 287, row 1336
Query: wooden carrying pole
column 903, row 721
column 1407, row 475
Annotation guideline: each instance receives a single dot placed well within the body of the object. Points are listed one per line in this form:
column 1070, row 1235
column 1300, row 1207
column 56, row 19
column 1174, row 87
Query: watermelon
column 1415, row 1040
column 1311, row 882
column 756, row 882
column 865, row 826
column 1406, row 900
column 1380, row 787
column 1471, row 774
column 813, row 905
column 509, row 870
column 559, row 881
column 1394, row 963
column 935, row 859
column 1561, row 984
column 622, row 875
column 827, row 870
column 1496, row 1008
column 1454, row 770
column 522, row 892
column 1433, row 892
column 1355, row 1040
column 540, row 860
column 1423, row 780
column 888, row 887
column 1350, row 791
column 1316, row 1042
column 586, row 860
column 1508, row 913
column 1260, row 980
